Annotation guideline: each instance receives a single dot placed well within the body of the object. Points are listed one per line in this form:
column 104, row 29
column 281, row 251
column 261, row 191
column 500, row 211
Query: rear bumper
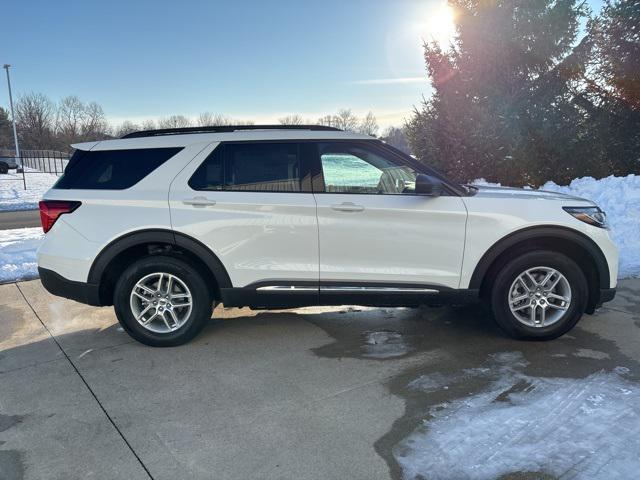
column 57, row 285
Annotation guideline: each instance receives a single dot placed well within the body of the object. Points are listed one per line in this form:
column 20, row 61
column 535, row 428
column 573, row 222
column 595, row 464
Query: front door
column 375, row 232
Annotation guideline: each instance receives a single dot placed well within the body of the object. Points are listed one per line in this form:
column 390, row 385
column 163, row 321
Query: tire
column 4, row 168
column 560, row 316
column 175, row 322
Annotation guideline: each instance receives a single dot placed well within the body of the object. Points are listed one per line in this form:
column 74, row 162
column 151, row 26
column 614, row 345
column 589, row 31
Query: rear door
column 375, row 232
column 251, row 204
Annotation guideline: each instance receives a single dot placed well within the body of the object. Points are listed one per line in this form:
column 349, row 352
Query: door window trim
column 312, row 177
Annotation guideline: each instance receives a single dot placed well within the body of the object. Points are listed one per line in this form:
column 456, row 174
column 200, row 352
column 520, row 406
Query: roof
column 255, row 133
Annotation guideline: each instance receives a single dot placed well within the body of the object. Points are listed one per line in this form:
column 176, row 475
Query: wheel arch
column 119, row 253
column 576, row 245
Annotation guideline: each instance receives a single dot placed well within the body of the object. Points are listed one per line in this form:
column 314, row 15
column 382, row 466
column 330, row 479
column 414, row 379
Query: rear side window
column 250, row 167
column 112, row 169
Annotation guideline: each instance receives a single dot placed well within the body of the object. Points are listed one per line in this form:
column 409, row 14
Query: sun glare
column 439, row 24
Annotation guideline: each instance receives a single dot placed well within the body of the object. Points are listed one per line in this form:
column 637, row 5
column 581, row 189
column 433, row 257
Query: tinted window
column 112, row 169
column 255, row 167
column 210, row 174
column 351, row 168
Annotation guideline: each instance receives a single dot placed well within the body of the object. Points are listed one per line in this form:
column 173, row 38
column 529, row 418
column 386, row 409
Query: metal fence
column 45, row 161
column 35, row 162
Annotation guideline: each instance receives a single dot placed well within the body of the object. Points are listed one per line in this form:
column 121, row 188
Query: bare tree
column 148, row 125
column 369, row 125
column 94, row 125
column 205, row 119
column 35, row 115
column 346, row 120
column 69, row 118
column 293, row 119
column 78, row 121
column 208, row 119
column 327, row 121
column 174, row 121
column 125, row 128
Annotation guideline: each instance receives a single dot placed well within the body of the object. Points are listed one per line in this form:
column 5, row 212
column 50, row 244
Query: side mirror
column 428, row 185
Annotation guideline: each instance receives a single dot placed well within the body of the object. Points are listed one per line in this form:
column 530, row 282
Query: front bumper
column 57, row 285
column 604, row 295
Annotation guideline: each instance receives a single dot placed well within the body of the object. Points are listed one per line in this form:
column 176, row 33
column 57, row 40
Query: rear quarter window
column 112, row 169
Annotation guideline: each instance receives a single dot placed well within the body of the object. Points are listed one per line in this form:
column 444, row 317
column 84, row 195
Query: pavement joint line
column 95, row 397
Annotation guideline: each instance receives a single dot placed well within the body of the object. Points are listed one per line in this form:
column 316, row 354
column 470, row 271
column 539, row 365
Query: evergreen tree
column 613, row 84
column 503, row 103
column 6, row 132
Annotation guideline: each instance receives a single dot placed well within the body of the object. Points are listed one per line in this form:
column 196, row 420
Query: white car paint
column 393, row 239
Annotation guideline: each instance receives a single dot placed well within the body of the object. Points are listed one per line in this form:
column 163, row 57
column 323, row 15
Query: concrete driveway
column 315, row 393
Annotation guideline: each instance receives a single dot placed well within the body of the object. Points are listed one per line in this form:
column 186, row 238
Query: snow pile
column 619, row 197
column 18, row 253
column 585, row 428
column 13, row 196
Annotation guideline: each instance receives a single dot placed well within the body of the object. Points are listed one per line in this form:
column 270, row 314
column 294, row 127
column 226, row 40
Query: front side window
column 353, row 168
column 253, row 167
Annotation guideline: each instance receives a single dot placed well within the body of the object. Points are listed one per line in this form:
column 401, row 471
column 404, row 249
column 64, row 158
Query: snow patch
column 384, row 344
column 575, row 428
column 13, row 196
column 18, row 253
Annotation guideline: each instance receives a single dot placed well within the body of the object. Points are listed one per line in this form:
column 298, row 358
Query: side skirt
column 282, row 294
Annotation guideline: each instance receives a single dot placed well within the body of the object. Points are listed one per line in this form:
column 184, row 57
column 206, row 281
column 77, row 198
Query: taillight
column 50, row 211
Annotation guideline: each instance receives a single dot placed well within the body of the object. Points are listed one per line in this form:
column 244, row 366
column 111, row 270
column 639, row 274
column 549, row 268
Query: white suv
column 165, row 224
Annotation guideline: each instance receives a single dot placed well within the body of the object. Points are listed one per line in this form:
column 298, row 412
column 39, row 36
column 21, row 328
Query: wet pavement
column 344, row 392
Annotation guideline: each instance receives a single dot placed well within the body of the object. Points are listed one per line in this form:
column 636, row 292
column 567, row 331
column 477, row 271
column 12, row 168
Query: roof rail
column 222, row 129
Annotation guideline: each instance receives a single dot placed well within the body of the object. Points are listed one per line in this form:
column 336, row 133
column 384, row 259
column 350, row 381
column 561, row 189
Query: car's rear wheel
column 162, row 301
column 4, row 168
column 539, row 295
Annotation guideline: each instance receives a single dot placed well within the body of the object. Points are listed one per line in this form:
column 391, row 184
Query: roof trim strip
column 224, row 129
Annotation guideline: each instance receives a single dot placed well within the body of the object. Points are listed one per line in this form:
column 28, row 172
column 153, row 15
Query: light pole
column 13, row 118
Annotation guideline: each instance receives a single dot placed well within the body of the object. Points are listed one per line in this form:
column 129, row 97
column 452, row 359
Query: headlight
column 591, row 215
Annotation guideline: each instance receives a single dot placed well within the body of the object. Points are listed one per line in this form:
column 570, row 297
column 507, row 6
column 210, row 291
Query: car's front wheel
column 4, row 168
column 539, row 295
column 162, row 301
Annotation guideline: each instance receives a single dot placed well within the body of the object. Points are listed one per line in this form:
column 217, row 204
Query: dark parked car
column 7, row 163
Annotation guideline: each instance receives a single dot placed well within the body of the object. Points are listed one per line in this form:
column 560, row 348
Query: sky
column 253, row 60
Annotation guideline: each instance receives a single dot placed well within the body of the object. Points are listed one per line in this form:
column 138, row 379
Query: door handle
column 347, row 207
column 199, row 202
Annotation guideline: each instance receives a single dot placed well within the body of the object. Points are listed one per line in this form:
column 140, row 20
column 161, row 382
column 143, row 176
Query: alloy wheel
column 539, row 297
column 161, row 302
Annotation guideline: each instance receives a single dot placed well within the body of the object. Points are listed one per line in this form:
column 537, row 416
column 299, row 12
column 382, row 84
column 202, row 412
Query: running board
column 341, row 289
column 362, row 289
